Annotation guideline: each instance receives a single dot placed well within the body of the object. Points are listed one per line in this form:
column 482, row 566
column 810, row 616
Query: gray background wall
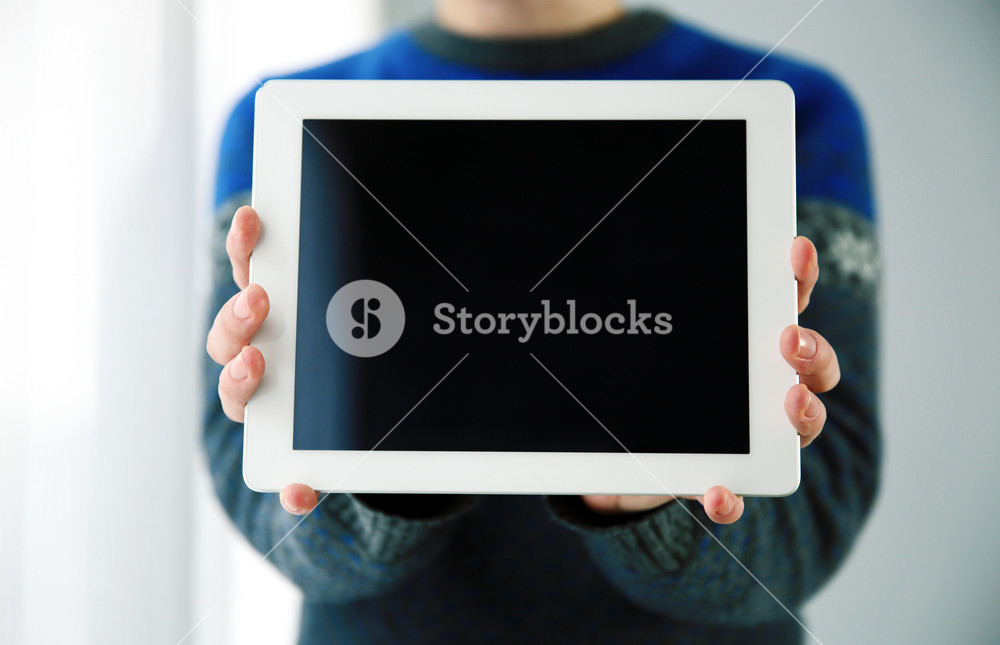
column 927, row 76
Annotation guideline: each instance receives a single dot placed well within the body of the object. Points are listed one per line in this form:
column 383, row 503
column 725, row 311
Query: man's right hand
column 229, row 341
column 238, row 320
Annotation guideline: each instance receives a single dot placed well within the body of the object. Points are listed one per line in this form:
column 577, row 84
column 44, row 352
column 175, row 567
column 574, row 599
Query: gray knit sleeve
column 659, row 541
column 350, row 546
column 676, row 562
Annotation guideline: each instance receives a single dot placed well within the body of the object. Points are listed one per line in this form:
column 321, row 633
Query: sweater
column 508, row 569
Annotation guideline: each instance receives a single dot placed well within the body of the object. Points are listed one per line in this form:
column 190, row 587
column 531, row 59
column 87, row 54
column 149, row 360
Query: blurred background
column 110, row 118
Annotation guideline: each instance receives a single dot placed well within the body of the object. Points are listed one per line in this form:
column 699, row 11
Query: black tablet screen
column 589, row 286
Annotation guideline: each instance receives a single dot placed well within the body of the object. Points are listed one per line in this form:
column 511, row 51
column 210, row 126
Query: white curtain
column 110, row 117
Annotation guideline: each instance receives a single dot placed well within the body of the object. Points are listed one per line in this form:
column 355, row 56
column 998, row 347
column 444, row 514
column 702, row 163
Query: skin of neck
column 525, row 18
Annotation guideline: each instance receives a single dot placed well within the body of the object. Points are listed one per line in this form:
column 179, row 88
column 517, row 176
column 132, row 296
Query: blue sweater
column 457, row 569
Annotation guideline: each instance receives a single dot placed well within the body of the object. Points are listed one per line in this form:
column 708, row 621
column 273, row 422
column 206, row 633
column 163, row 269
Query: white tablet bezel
column 771, row 467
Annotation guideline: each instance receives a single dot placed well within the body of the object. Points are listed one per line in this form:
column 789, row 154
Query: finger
column 243, row 235
column 239, row 380
column 236, row 323
column 805, row 265
column 812, row 357
column 721, row 505
column 806, row 412
column 618, row 504
column 298, row 499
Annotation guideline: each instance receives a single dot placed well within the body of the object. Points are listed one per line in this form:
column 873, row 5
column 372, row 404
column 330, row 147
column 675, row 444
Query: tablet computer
column 524, row 287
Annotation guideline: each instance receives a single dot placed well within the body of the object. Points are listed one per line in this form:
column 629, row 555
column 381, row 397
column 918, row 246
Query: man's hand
column 238, row 320
column 816, row 363
column 229, row 340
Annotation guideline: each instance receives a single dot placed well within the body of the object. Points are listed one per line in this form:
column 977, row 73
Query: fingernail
column 241, row 308
column 237, row 368
column 807, row 345
column 232, row 227
column 812, row 408
column 288, row 506
column 727, row 506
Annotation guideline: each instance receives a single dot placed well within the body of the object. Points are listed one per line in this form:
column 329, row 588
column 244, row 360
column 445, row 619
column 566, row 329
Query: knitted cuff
column 389, row 533
column 655, row 542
